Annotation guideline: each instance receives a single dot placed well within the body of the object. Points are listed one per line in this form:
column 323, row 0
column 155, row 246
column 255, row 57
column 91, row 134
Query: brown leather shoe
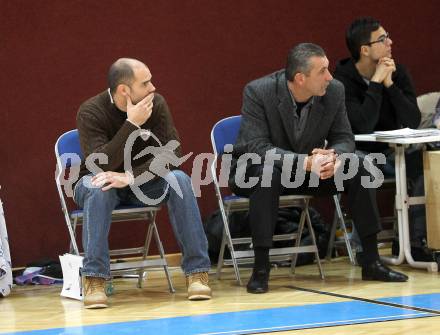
column 94, row 292
column 198, row 288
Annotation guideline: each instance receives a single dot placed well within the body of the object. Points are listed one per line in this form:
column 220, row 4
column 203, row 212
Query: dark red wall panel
column 55, row 54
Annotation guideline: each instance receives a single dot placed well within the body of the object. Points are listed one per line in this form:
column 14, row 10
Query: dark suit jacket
column 268, row 121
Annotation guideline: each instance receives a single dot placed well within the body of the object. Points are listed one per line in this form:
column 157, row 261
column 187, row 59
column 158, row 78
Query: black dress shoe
column 258, row 283
column 359, row 258
column 379, row 271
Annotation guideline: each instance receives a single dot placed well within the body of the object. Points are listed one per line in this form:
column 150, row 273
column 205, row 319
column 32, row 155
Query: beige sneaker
column 94, row 292
column 198, row 288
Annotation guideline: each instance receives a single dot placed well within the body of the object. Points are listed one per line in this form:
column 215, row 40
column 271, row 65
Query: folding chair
column 69, row 155
column 339, row 222
column 225, row 132
column 427, row 103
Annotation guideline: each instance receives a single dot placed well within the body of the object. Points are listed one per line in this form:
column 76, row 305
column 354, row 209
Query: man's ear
column 123, row 89
column 365, row 50
column 299, row 78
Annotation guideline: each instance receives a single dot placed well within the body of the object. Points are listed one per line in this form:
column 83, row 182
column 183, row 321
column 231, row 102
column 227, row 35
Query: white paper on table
column 406, row 132
column 71, row 266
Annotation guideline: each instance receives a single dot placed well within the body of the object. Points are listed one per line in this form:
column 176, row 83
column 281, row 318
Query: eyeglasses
column 383, row 39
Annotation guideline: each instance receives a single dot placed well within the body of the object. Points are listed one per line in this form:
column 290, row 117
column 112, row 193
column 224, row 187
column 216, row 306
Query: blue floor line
column 263, row 320
column 428, row 301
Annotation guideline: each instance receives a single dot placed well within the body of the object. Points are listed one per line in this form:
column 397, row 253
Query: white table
column 403, row 201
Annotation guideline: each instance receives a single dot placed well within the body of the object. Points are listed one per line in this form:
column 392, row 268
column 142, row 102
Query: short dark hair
column 120, row 72
column 359, row 34
column 298, row 59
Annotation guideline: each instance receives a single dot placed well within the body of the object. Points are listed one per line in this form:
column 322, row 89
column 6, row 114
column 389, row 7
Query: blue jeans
column 183, row 213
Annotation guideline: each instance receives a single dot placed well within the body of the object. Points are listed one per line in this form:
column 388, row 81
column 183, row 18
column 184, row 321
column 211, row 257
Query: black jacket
column 374, row 107
column 268, row 122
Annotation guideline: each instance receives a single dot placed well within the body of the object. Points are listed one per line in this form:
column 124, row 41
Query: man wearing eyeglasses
column 379, row 95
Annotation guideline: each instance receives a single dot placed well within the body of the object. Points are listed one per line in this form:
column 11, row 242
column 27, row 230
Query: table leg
column 402, row 205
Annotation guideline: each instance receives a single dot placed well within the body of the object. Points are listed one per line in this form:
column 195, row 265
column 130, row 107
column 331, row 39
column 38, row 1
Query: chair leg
column 312, row 234
column 220, row 261
column 71, row 226
column 331, row 242
column 230, row 245
column 298, row 241
column 229, row 242
column 146, row 247
column 235, row 264
column 344, row 229
column 162, row 256
column 221, row 256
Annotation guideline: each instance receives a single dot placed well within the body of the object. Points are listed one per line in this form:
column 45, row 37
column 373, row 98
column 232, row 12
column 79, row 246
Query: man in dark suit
column 289, row 115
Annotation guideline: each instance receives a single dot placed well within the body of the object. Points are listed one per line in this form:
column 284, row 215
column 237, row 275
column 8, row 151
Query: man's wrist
column 133, row 123
column 130, row 177
column 307, row 165
column 376, row 80
column 388, row 84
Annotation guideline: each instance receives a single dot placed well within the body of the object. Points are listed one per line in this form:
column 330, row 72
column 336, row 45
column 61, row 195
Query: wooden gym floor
column 299, row 304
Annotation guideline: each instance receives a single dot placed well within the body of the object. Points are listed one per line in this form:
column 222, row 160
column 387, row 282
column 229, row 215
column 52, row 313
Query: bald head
column 121, row 72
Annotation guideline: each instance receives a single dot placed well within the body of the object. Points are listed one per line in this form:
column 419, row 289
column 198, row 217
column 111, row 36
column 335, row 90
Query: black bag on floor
column 417, row 226
column 288, row 220
column 213, row 226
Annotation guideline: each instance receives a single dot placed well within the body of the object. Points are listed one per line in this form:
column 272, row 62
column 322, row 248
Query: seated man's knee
column 264, row 176
column 181, row 176
column 370, row 170
column 360, row 171
column 349, row 170
column 179, row 179
column 180, row 184
column 270, row 175
column 97, row 194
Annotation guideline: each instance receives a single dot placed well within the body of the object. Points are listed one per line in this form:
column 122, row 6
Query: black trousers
column 264, row 202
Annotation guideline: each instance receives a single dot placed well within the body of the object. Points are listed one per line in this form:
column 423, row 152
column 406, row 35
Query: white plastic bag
column 72, row 285
column 5, row 257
